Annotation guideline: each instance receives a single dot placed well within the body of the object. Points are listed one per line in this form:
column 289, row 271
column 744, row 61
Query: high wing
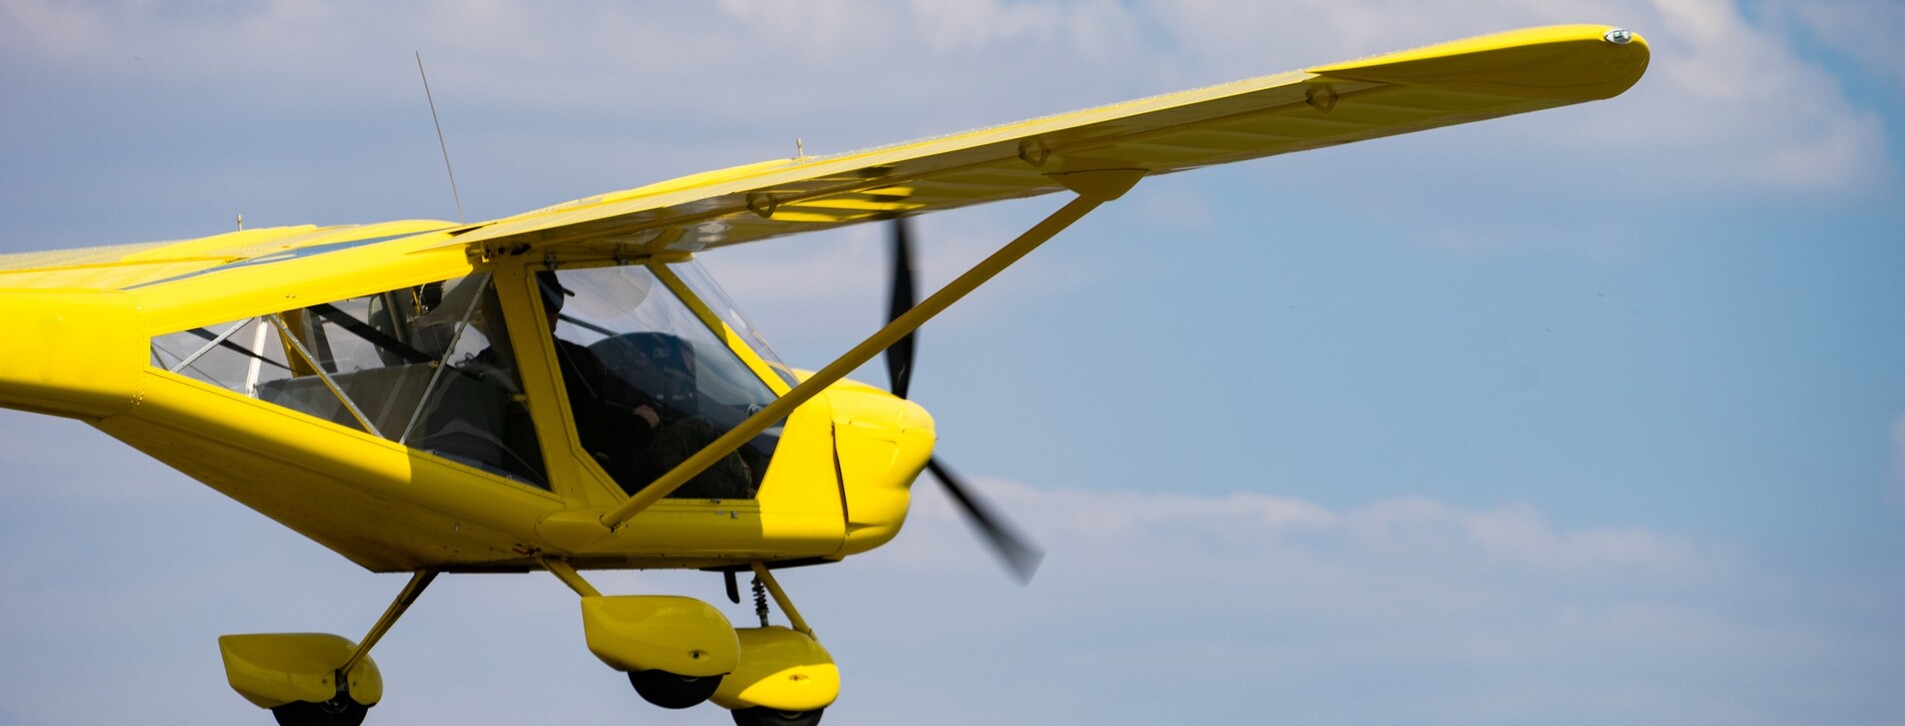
column 121, row 267
column 1441, row 85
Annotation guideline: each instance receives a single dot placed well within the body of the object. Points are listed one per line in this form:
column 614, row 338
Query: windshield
column 702, row 284
column 649, row 384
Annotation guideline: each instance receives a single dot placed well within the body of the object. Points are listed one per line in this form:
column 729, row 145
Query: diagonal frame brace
column 411, row 591
column 1093, row 188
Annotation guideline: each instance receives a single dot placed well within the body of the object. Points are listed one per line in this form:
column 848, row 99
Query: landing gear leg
column 411, row 591
column 762, row 576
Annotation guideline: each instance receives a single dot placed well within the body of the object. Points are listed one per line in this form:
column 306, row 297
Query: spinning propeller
column 1014, row 550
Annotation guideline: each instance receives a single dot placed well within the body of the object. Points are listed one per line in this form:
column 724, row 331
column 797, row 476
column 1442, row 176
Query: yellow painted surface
column 273, row 669
column 384, row 506
column 572, row 473
column 779, row 669
column 1456, row 82
column 75, row 354
column 680, row 635
column 123, row 266
column 883, row 443
column 114, row 276
column 1559, row 61
column 256, row 288
column 802, row 479
column 1459, row 82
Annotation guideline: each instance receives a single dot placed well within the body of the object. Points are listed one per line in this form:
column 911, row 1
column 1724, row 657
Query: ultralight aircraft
column 567, row 390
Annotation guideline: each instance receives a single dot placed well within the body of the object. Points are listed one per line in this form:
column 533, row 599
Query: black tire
column 772, row 717
column 669, row 690
column 340, row 711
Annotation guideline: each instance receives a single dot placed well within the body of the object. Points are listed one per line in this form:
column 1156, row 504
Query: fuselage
column 412, row 404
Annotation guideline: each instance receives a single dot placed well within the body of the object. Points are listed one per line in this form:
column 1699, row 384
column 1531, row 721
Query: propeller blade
column 1014, row 550
column 899, row 357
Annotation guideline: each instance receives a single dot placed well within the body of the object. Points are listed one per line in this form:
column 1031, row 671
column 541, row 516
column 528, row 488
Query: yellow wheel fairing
column 273, row 669
column 779, row 669
column 679, row 635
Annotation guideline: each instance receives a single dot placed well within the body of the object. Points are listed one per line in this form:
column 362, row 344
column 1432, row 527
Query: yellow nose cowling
column 882, row 442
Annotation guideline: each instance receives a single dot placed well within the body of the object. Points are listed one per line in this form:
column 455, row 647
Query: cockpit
column 648, row 378
column 652, row 362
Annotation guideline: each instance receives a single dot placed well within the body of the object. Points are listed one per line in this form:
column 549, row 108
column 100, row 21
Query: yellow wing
column 121, row 267
column 1441, row 85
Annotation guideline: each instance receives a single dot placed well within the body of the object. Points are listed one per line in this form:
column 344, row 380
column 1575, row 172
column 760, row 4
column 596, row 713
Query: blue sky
column 1590, row 416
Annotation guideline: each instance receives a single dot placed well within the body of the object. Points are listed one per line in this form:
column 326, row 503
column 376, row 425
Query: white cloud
column 1415, row 606
column 1730, row 84
column 1728, row 103
column 1867, row 30
column 1171, row 532
column 1471, row 615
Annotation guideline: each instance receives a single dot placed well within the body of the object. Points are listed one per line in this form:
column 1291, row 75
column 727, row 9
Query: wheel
column 669, row 690
column 340, row 711
column 772, row 717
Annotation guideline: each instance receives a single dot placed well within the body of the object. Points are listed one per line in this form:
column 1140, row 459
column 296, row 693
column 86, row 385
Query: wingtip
column 1583, row 62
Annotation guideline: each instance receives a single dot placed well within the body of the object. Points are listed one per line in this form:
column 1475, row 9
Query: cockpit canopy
column 653, row 373
column 653, row 360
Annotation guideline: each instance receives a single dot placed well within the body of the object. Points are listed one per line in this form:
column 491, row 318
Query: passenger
column 476, row 415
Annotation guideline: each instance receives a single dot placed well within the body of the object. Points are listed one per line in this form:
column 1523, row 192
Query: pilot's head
column 553, row 294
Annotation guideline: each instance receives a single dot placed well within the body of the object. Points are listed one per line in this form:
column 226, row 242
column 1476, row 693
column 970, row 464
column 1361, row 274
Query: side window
column 429, row 367
column 649, row 383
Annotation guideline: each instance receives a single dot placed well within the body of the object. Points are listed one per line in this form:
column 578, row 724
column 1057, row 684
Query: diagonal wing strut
column 1093, row 188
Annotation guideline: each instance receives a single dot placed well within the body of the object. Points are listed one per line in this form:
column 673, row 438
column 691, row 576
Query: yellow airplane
column 567, row 390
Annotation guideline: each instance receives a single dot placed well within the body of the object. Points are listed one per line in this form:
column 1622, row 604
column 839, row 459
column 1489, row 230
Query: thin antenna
column 440, row 143
column 241, row 221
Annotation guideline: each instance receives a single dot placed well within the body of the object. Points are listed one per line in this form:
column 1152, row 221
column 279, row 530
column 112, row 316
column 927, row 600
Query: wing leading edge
column 1441, row 85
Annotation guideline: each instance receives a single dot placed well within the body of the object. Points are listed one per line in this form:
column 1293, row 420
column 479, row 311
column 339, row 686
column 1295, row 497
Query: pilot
column 615, row 420
column 634, row 437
